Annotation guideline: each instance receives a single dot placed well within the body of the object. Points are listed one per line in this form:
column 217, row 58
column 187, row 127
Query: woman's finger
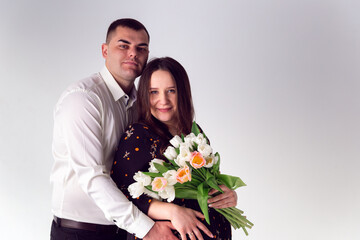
column 197, row 233
column 201, row 226
column 198, row 214
column 183, row 235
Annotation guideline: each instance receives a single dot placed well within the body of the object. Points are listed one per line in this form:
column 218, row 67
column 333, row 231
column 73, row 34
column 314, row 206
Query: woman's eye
column 153, row 92
column 172, row 91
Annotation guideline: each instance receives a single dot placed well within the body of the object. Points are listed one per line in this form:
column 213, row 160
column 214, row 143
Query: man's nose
column 132, row 52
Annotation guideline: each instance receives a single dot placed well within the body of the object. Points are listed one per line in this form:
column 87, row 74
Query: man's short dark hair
column 125, row 22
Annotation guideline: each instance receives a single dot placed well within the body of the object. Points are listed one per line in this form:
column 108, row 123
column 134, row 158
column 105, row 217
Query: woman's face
column 163, row 97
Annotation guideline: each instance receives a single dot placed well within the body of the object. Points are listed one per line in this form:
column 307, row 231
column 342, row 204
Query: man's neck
column 126, row 87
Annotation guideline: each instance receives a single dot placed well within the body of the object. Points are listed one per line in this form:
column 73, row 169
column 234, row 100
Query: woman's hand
column 223, row 200
column 186, row 222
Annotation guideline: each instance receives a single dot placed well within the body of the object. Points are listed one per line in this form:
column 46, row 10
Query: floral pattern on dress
column 137, row 147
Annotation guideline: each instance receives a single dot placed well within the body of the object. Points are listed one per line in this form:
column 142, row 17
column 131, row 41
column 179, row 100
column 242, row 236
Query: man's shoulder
column 93, row 85
column 89, row 88
column 89, row 83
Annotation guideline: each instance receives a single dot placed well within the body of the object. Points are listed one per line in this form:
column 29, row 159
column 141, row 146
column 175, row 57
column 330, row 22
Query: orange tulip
column 197, row 160
column 183, row 174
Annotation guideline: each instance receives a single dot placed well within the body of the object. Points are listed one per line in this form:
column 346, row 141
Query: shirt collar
column 114, row 87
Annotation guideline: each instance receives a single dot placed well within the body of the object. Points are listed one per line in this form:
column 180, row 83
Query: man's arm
column 80, row 115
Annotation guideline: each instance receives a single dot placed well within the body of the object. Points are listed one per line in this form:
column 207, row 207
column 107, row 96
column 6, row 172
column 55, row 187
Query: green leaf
column 231, row 182
column 177, row 150
column 162, row 169
column 211, row 181
column 216, row 167
column 187, row 185
column 186, row 193
column 202, row 197
column 168, row 165
column 194, row 147
column 174, row 164
column 151, row 174
column 149, row 187
column 195, row 129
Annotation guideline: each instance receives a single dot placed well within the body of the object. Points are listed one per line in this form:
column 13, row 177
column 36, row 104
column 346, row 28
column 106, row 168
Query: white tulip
column 183, row 157
column 170, row 153
column 200, row 139
column 170, row 176
column 204, row 149
column 152, row 168
column 136, row 189
column 175, row 141
column 210, row 161
column 151, row 194
column 168, row 193
column 190, row 139
column 142, row 178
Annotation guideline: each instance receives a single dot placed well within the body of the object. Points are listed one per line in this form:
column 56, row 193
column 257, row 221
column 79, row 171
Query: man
column 89, row 119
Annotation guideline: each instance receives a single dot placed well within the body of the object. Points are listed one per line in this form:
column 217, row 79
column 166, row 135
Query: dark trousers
column 62, row 233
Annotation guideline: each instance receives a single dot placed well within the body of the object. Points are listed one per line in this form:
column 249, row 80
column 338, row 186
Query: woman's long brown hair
column 185, row 109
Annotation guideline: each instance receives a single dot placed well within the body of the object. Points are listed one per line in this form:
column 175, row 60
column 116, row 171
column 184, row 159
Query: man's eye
column 142, row 49
column 123, row 46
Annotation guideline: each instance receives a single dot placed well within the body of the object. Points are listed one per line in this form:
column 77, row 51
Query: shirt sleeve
column 81, row 116
column 136, row 149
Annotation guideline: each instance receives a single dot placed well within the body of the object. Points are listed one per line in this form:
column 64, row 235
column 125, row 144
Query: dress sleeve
column 134, row 153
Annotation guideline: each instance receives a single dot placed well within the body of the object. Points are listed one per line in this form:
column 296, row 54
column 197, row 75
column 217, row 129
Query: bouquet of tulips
column 191, row 172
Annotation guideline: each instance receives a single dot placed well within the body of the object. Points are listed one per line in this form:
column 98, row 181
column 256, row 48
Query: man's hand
column 224, row 200
column 161, row 231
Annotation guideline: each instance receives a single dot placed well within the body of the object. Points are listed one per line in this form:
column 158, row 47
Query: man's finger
column 217, row 198
column 212, row 191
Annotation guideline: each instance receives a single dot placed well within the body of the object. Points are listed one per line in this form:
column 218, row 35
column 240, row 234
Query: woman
column 165, row 109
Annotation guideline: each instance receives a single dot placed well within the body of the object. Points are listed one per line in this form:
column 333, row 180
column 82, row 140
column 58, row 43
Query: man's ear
column 104, row 50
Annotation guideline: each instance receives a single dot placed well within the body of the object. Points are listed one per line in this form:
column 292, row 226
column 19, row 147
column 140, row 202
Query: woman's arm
column 185, row 220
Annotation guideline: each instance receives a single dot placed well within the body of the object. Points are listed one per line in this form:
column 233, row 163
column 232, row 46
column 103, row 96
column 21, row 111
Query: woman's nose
column 163, row 98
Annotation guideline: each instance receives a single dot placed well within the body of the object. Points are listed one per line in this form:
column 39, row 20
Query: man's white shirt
column 89, row 119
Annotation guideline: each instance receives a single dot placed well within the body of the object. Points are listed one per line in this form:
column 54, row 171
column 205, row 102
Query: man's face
column 126, row 54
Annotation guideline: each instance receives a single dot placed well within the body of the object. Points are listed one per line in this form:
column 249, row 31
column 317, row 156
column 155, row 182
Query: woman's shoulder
column 139, row 127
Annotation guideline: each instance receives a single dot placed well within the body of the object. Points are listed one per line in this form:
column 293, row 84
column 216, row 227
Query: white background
column 275, row 85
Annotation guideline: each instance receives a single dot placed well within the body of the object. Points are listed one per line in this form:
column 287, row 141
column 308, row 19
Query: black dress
column 137, row 147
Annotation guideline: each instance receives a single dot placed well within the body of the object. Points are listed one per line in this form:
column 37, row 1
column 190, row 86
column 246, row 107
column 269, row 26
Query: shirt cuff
column 141, row 226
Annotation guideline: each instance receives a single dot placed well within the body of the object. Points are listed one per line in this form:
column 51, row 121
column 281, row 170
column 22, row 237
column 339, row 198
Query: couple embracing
column 105, row 131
